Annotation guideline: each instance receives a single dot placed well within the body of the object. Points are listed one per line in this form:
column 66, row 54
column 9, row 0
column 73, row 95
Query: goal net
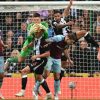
column 82, row 79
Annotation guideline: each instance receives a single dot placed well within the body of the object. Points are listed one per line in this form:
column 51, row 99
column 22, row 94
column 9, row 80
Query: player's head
column 71, row 38
column 57, row 15
column 36, row 18
column 38, row 30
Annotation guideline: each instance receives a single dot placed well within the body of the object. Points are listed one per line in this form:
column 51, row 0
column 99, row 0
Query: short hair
column 72, row 35
column 36, row 15
column 57, row 11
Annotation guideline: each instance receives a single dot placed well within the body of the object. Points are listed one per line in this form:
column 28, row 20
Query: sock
column 56, row 86
column 45, row 86
column 90, row 39
column 35, row 77
column 61, row 74
column 1, row 81
column 36, row 87
column 24, row 81
column 44, row 77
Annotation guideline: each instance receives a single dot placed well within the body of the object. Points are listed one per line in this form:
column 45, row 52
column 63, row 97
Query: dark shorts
column 63, row 57
column 38, row 66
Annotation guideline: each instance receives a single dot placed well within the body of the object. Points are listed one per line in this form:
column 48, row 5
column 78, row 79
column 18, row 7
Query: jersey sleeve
column 56, row 38
column 45, row 34
column 28, row 27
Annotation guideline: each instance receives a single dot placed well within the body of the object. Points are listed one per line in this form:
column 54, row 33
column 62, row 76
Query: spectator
column 9, row 34
column 9, row 48
column 8, row 24
column 29, row 19
column 81, row 57
column 86, row 20
column 19, row 43
column 22, row 31
column 18, row 20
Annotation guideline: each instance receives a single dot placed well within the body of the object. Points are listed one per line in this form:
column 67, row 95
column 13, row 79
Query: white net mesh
column 14, row 20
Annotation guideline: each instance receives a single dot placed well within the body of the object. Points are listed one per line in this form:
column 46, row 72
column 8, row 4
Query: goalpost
column 82, row 80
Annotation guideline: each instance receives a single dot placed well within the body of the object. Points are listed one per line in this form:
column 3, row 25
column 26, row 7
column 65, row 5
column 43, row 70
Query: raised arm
column 66, row 10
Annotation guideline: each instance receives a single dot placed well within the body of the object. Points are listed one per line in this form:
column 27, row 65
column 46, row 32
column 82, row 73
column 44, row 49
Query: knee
column 1, row 76
column 20, row 59
column 57, row 76
column 46, row 74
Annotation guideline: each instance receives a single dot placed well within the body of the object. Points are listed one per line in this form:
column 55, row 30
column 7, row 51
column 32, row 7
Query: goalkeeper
column 37, row 27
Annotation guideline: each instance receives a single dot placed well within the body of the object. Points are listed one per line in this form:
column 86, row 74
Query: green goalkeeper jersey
column 31, row 37
column 45, row 34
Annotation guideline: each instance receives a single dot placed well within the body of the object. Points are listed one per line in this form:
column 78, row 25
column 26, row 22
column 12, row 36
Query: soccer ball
column 72, row 85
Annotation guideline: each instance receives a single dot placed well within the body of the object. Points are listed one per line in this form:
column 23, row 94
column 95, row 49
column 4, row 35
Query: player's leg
column 63, row 65
column 56, row 70
column 47, row 68
column 39, row 91
column 39, row 79
column 1, row 73
column 23, row 88
column 87, row 37
column 24, row 73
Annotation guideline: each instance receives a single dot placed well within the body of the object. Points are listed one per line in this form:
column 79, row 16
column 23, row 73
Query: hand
column 70, row 62
column 71, row 2
column 70, row 23
column 34, row 57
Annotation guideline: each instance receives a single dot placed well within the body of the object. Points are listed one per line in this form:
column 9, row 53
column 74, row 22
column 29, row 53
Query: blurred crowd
column 13, row 28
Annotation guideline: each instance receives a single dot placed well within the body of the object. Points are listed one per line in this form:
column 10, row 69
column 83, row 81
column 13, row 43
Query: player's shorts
column 38, row 66
column 1, row 64
column 54, row 65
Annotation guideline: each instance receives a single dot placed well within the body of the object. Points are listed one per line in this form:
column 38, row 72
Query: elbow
column 48, row 53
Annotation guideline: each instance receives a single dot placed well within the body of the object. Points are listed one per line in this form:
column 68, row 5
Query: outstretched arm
column 88, row 38
column 67, row 54
column 56, row 38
